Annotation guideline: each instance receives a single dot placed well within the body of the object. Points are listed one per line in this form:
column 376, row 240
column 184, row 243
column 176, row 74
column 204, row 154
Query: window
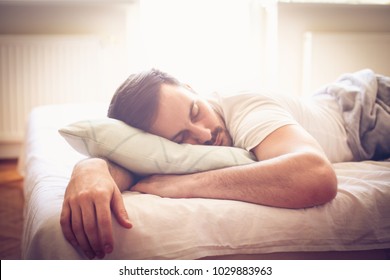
column 212, row 45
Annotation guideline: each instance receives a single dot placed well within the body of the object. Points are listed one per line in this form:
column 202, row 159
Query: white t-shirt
column 251, row 117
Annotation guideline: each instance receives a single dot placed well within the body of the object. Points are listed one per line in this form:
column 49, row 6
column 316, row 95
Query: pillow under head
column 144, row 153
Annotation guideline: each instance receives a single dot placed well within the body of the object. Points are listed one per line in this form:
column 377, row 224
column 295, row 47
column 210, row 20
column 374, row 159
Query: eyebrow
column 189, row 116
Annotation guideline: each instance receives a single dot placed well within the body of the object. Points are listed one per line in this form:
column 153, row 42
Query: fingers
column 88, row 225
column 119, row 210
column 89, row 199
column 103, row 219
column 84, row 228
column 65, row 221
column 73, row 229
column 81, row 227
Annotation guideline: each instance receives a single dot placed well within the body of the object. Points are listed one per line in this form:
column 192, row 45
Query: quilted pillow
column 144, row 153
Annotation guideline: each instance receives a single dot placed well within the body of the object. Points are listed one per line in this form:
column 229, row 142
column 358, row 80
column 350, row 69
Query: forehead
column 174, row 93
column 173, row 110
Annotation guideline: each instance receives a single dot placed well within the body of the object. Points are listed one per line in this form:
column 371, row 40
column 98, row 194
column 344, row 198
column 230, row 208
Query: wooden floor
column 11, row 210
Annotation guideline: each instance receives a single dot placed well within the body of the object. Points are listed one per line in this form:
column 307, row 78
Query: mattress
column 358, row 219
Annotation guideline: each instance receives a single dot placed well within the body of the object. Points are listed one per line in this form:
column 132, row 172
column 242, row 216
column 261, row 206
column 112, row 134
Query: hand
column 90, row 197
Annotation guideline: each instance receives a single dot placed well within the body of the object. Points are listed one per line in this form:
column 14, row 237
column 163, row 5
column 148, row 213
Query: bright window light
column 211, row 44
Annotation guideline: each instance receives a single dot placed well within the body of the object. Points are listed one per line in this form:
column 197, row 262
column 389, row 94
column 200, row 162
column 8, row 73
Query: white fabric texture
column 145, row 153
column 357, row 219
column 251, row 117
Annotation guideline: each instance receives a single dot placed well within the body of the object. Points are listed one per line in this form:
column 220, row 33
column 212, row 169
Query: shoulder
column 250, row 116
column 237, row 100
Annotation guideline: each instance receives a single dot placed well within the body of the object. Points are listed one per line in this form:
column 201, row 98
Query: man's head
column 158, row 103
column 136, row 101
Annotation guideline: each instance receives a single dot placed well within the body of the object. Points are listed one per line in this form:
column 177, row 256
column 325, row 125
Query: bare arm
column 93, row 193
column 292, row 172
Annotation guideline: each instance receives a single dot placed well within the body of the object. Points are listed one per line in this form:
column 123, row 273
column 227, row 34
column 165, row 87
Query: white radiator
column 37, row 70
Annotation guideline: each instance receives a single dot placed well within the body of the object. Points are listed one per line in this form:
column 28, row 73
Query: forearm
column 122, row 177
column 293, row 181
column 292, row 172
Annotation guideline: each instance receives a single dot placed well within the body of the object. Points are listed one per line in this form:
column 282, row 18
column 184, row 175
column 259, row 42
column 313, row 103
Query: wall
column 105, row 19
column 30, row 17
column 296, row 19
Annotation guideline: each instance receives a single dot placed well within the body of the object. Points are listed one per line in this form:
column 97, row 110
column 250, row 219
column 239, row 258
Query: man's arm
column 93, row 193
column 292, row 172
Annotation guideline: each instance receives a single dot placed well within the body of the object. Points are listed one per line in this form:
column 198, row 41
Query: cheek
column 217, row 120
column 162, row 128
column 211, row 117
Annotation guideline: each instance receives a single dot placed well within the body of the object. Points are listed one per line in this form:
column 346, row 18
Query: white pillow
column 145, row 153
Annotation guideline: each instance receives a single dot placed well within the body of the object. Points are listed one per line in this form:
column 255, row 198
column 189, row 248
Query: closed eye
column 194, row 111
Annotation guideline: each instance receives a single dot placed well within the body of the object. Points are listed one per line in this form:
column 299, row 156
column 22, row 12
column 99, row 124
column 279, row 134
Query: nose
column 199, row 134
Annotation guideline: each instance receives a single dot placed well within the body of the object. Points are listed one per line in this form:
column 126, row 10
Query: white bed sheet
column 357, row 219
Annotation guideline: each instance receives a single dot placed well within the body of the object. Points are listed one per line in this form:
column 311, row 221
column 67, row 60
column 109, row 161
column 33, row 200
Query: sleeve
column 255, row 117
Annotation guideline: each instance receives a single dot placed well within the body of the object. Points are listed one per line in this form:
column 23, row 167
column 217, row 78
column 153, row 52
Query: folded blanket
column 364, row 99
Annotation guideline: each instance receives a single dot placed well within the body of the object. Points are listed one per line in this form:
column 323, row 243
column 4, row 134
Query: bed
column 355, row 225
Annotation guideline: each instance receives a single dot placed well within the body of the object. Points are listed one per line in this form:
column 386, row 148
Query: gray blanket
column 364, row 99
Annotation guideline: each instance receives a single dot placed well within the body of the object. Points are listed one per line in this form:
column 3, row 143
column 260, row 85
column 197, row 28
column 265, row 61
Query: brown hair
column 135, row 102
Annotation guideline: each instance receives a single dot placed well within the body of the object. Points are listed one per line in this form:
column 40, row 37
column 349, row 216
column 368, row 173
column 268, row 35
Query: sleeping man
column 294, row 141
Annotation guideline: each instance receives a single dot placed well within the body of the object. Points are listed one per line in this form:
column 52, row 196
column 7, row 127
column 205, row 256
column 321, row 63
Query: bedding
column 357, row 220
column 364, row 99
